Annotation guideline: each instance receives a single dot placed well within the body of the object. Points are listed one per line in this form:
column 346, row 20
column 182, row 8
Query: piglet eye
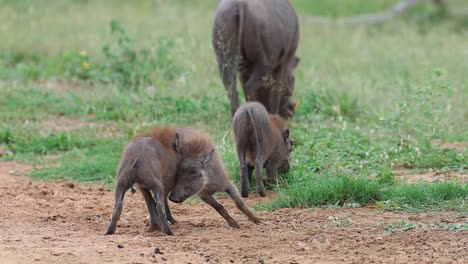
column 193, row 170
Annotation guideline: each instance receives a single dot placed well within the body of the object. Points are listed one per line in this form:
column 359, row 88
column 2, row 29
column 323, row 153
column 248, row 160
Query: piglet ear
column 295, row 104
column 207, row 159
column 175, row 144
column 294, row 62
column 286, row 135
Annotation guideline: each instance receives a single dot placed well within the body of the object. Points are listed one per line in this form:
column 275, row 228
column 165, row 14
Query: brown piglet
column 147, row 163
column 262, row 141
column 200, row 171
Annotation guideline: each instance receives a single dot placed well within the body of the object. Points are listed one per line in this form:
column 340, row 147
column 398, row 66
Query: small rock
column 69, row 185
column 164, row 258
column 158, row 251
column 120, row 245
column 231, row 260
column 142, row 254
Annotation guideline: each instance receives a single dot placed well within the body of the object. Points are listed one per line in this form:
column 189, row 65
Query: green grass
column 351, row 190
column 372, row 98
column 30, row 101
column 328, row 190
column 96, row 163
column 337, row 8
column 445, row 195
column 42, row 144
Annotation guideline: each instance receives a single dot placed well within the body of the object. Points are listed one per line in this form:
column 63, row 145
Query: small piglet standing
column 145, row 162
column 262, row 141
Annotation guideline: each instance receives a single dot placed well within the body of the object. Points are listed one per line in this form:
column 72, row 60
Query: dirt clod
column 158, row 251
column 70, row 185
column 120, row 245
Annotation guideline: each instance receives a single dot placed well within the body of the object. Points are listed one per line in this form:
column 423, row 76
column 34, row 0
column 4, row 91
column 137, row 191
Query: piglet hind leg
column 120, row 190
column 161, row 211
column 220, row 209
column 271, row 171
column 154, row 222
column 244, row 175
column 250, row 170
column 258, row 170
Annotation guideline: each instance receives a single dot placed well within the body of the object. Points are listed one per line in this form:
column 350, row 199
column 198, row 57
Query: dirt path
column 42, row 222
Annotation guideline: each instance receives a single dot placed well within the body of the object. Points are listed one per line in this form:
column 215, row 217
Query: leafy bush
column 123, row 63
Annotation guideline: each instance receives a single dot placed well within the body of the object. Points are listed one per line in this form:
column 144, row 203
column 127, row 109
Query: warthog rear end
column 145, row 162
column 259, row 39
column 262, row 140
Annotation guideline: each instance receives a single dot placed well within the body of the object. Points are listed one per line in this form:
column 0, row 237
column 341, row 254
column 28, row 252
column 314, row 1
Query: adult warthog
column 258, row 38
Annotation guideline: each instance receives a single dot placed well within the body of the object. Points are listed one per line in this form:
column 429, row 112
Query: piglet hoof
column 256, row 220
column 261, row 193
column 234, row 224
column 169, row 233
column 172, row 221
column 109, row 232
column 154, row 229
column 244, row 194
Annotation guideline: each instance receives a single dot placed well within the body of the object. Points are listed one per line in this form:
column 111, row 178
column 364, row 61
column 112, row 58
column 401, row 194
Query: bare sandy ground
column 45, row 222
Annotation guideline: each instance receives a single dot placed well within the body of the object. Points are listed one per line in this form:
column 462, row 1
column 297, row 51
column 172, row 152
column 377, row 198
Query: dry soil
column 47, row 222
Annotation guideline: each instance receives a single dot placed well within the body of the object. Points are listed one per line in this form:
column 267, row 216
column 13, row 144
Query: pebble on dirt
column 158, row 251
column 120, row 245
